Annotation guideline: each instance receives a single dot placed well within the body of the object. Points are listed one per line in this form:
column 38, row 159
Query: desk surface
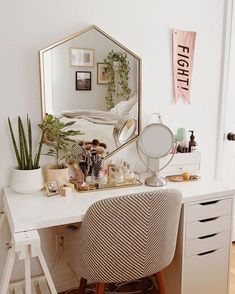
column 35, row 211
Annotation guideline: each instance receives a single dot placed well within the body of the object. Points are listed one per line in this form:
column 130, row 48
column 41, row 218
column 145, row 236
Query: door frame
column 225, row 63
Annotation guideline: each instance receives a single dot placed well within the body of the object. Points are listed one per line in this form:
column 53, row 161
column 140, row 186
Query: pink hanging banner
column 183, row 53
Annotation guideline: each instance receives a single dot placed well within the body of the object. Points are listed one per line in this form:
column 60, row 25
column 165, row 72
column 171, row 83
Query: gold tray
column 179, row 178
column 94, row 187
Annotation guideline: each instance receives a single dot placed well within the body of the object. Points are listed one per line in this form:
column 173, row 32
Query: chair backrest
column 128, row 237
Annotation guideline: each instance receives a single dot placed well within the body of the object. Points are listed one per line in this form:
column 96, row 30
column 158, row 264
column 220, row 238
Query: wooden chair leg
column 145, row 285
column 100, row 287
column 82, row 286
column 159, row 276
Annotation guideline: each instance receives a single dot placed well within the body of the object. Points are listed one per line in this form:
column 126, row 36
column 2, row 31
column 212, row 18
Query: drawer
column 179, row 169
column 208, row 209
column 211, row 226
column 207, row 243
column 206, row 274
column 181, row 159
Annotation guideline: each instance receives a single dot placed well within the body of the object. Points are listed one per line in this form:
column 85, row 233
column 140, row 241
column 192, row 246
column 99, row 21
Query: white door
column 226, row 132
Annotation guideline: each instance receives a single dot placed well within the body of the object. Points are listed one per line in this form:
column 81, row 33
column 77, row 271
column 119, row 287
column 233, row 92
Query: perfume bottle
column 130, row 175
column 119, row 176
column 102, row 179
column 124, row 169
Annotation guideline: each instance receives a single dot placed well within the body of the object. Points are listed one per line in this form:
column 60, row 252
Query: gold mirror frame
column 139, row 87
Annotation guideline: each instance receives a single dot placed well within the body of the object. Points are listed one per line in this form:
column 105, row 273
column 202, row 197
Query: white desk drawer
column 206, row 274
column 209, row 209
column 212, row 226
column 181, row 159
column 207, row 243
column 179, row 169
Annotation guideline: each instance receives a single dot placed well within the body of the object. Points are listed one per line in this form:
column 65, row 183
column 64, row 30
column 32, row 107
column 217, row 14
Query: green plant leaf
column 15, row 145
column 21, row 144
column 30, row 162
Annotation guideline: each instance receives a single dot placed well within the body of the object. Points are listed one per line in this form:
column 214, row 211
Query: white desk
column 27, row 213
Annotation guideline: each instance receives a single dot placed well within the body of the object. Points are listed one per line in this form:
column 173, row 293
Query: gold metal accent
column 179, row 178
column 41, row 59
column 117, row 186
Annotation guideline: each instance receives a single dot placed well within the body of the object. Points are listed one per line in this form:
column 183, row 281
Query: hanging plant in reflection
column 118, row 69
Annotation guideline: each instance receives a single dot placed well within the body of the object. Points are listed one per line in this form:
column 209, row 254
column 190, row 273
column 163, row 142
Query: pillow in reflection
column 123, row 107
column 134, row 111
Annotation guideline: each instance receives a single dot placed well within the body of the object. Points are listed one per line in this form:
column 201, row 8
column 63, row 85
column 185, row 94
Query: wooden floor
column 232, row 271
column 134, row 287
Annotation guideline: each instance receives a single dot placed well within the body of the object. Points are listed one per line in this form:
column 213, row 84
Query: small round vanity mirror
column 155, row 141
column 127, row 132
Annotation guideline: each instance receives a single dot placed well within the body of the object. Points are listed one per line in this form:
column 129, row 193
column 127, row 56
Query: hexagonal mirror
column 94, row 80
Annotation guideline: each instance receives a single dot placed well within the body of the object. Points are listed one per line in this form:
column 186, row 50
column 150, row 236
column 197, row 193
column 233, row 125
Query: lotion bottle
column 192, row 144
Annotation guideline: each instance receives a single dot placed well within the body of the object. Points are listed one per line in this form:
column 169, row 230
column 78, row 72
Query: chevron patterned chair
column 125, row 238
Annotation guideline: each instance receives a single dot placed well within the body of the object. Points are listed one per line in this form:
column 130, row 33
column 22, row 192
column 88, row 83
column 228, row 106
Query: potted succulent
column 57, row 136
column 27, row 176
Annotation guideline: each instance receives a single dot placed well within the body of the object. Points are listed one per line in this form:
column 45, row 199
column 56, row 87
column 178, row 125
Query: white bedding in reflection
column 101, row 132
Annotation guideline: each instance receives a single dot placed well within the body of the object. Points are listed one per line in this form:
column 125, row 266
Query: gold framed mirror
column 94, row 80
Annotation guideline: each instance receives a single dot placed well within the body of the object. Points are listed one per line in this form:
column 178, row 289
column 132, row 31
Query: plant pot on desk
column 61, row 175
column 27, row 181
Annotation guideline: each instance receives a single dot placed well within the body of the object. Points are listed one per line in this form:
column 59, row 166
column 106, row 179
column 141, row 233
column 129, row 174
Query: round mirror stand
column 155, row 180
column 155, row 141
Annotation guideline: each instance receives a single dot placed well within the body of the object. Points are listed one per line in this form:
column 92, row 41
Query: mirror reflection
column 93, row 80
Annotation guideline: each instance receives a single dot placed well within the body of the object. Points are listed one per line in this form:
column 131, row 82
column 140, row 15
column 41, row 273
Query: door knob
column 231, row 136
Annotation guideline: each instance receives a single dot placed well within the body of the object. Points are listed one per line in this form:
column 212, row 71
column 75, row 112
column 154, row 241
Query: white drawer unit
column 179, row 169
column 180, row 163
column 206, row 273
column 206, row 238
column 203, row 248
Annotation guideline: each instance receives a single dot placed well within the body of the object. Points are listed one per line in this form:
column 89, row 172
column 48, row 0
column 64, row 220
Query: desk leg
column 7, row 271
column 26, row 245
column 36, row 251
column 27, row 270
column 46, row 271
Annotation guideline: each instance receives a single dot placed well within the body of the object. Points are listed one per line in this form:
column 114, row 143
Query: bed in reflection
column 105, row 126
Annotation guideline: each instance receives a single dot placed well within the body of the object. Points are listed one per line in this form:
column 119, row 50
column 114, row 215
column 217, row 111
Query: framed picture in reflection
column 83, row 80
column 81, row 57
column 102, row 73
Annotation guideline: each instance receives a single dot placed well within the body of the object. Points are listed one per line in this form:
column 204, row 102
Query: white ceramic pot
column 27, row 181
column 61, row 175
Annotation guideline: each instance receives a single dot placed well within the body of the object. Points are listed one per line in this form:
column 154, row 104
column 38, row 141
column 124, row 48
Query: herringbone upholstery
column 126, row 237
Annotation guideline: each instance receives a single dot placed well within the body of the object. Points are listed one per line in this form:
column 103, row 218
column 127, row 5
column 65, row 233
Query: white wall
column 144, row 27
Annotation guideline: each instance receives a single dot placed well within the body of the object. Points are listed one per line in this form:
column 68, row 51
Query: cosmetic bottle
column 124, row 169
column 192, row 144
column 102, row 179
column 130, row 175
column 119, row 176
